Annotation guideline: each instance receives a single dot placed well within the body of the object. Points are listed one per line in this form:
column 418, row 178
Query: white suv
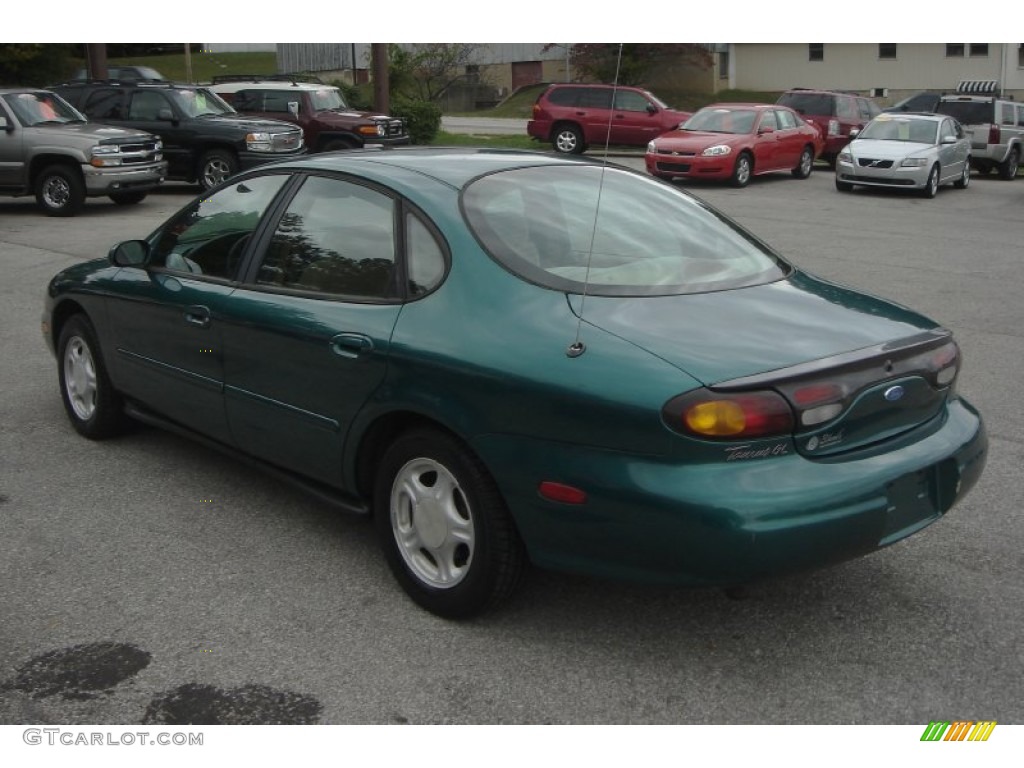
column 996, row 130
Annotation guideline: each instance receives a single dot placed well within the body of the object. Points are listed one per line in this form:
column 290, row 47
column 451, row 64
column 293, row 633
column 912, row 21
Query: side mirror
column 130, row 253
column 854, row 133
column 166, row 115
column 293, row 107
column 948, row 139
column 651, row 109
column 5, row 126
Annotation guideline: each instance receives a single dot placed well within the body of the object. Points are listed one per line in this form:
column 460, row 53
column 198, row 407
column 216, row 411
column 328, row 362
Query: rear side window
column 595, row 98
column 564, row 97
column 105, row 104
column 968, row 112
column 612, row 234
column 335, row 238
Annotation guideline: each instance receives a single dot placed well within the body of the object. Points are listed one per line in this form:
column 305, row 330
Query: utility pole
column 96, row 60
column 188, row 62
column 379, row 64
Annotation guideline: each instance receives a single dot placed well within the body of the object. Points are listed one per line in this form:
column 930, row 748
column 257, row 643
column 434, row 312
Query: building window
column 887, row 50
column 723, row 65
column 979, row 49
column 1020, row 54
column 954, row 49
column 815, row 51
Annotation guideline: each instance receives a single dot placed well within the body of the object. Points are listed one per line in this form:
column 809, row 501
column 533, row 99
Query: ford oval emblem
column 892, row 394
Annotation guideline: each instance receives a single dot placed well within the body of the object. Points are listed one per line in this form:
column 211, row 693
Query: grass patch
column 204, row 65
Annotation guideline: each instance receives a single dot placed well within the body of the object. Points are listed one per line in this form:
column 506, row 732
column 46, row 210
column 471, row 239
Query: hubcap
column 566, row 141
column 805, row 163
column 56, row 192
column 80, row 378
column 215, row 171
column 743, row 171
column 432, row 524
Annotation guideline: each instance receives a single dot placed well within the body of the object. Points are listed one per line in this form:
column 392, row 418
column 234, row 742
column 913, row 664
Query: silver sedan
column 909, row 151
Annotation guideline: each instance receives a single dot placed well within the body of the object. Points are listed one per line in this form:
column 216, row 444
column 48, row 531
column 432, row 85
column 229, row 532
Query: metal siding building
column 859, row 66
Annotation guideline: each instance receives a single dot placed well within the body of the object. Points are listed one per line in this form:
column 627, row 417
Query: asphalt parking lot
column 147, row 579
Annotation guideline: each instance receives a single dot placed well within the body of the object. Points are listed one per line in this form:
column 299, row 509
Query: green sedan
column 508, row 358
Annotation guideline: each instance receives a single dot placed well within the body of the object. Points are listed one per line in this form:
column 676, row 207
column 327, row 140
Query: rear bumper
column 728, row 522
column 539, row 129
column 105, row 181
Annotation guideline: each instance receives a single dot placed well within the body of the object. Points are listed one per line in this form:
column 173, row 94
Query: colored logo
column 892, row 394
column 960, row 730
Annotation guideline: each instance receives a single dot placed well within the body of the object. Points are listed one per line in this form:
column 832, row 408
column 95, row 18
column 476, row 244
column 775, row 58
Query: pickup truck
column 48, row 149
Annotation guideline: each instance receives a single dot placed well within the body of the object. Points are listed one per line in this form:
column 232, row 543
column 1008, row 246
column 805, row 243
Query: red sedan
column 735, row 142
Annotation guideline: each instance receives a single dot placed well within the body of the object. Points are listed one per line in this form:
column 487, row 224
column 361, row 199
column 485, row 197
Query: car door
column 952, row 156
column 152, row 111
column 635, row 119
column 309, row 331
column 168, row 316
column 593, row 112
column 12, row 159
column 766, row 142
column 791, row 140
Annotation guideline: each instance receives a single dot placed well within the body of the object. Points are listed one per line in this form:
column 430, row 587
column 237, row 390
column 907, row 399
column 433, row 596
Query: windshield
column 648, row 239
column 720, row 120
column 196, row 102
column 42, row 108
column 893, row 128
column 327, row 98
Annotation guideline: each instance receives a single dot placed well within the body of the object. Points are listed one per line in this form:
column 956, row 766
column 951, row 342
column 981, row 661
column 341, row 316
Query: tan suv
column 996, row 130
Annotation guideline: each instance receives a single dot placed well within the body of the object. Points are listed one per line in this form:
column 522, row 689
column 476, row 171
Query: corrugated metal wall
column 321, row 57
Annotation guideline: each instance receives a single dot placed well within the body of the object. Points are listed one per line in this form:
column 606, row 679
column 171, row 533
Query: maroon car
column 735, row 142
column 575, row 116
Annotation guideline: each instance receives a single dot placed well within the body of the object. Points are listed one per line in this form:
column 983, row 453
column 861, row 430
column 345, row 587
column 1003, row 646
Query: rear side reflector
column 564, row 494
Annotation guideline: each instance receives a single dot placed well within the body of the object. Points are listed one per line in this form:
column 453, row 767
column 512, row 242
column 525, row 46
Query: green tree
column 425, row 71
column 34, row 63
column 602, row 61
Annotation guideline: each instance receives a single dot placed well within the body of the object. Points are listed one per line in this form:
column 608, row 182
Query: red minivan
column 572, row 116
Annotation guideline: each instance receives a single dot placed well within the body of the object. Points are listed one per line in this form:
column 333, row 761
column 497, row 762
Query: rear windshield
column 611, row 233
column 968, row 112
column 809, row 103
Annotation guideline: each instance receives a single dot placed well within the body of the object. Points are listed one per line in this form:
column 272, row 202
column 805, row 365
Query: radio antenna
column 577, row 348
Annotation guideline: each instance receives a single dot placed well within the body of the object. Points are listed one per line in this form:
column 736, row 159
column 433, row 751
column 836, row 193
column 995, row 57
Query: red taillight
column 945, row 363
column 536, row 111
column 817, row 394
column 733, row 416
column 994, row 135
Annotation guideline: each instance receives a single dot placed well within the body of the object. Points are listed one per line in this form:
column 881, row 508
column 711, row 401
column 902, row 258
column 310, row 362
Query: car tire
column 567, row 139
column 743, row 170
column 128, row 198
column 216, row 166
column 94, row 407
column 931, row 186
column 336, row 145
column 805, row 165
column 446, row 532
column 965, row 177
column 60, row 190
column 1008, row 168
column 844, row 186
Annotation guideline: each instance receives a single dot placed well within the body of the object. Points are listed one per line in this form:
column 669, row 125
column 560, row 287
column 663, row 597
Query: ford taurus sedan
column 507, row 358
column 907, row 151
column 735, row 142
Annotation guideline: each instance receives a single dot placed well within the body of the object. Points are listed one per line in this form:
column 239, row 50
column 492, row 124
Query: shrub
column 422, row 118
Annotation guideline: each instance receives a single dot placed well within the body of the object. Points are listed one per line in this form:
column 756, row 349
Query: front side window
column 147, row 105
column 209, row 237
column 785, row 119
column 614, row 233
column 325, row 98
column 768, row 120
column 197, row 102
column 630, row 101
column 336, row 238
